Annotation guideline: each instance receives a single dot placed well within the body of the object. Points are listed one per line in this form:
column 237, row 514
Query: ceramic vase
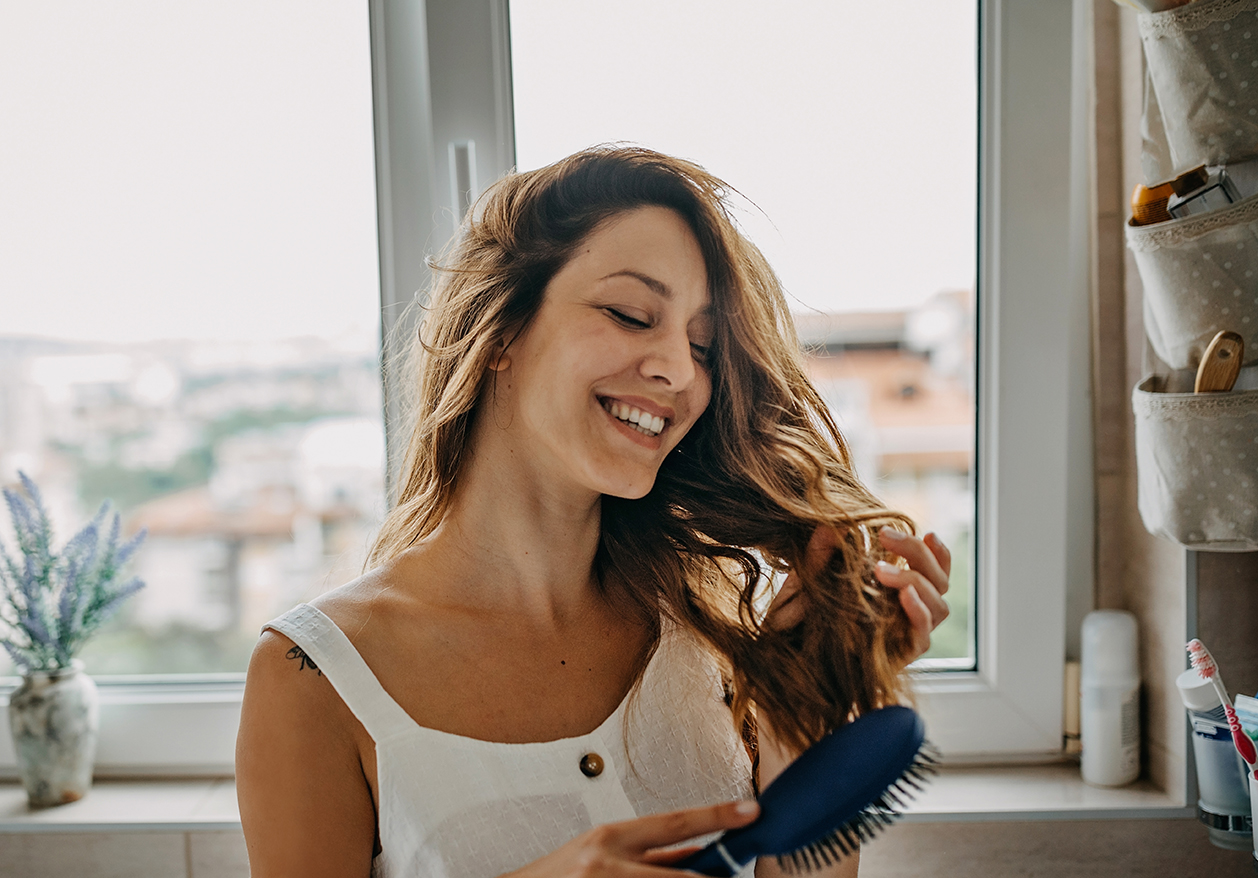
column 55, row 718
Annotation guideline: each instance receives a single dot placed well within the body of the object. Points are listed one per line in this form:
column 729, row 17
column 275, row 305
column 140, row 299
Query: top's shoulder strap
column 338, row 660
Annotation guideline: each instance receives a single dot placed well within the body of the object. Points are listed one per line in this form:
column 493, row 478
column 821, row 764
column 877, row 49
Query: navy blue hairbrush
column 838, row 793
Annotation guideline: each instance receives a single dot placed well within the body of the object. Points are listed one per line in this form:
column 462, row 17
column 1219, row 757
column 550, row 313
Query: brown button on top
column 591, row 765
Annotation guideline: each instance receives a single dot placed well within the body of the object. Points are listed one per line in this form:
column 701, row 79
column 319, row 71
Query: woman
column 613, row 437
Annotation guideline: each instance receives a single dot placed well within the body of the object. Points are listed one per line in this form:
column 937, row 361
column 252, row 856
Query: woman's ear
column 498, row 360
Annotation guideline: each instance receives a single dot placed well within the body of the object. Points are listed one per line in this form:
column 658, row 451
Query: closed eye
column 700, row 353
column 623, row 318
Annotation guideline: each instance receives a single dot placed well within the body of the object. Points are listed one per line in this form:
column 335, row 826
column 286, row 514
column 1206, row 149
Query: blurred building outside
column 258, row 469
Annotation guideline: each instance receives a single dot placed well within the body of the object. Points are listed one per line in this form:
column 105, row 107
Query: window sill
column 974, row 794
column 147, row 805
column 989, row 793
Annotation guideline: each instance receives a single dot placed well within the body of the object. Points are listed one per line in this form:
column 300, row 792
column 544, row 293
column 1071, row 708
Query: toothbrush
column 1204, row 665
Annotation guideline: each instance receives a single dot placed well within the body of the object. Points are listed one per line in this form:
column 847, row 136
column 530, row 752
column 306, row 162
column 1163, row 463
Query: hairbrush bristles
column 864, row 827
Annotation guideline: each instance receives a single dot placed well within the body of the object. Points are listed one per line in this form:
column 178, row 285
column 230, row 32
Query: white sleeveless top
column 458, row 807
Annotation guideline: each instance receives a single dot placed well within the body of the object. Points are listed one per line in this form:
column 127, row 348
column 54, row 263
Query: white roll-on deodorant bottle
column 1109, row 685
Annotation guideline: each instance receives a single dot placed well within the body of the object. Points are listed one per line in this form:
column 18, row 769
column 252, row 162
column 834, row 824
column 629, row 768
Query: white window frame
column 1035, row 483
column 441, row 74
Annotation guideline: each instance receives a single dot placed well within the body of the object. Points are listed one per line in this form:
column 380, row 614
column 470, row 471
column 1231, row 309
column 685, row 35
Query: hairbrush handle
column 714, row 859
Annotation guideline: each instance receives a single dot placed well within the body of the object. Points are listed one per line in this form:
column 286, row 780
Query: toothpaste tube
column 1247, row 713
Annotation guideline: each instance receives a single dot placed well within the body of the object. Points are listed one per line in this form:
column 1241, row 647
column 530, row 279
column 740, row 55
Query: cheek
column 703, row 395
column 701, row 399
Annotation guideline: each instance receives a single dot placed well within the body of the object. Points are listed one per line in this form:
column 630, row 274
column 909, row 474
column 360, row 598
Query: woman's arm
column 305, row 805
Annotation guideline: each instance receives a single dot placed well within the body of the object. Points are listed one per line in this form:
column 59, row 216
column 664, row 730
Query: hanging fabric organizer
column 1197, row 465
column 1200, row 276
column 1203, row 64
column 1197, row 453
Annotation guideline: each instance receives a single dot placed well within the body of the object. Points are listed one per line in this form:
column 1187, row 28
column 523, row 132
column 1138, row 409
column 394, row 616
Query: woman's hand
column 632, row 849
column 921, row 587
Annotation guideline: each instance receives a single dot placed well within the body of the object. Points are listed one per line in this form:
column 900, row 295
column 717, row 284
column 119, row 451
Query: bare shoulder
column 286, row 690
column 387, row 609
column 285, row 683
column 305, row 803
column 355, row 604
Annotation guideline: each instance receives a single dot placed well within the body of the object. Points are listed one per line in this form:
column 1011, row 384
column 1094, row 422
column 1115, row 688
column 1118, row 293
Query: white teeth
column 647, row 424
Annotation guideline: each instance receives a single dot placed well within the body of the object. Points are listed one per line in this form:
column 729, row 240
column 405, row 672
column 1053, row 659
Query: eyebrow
column 658, row 287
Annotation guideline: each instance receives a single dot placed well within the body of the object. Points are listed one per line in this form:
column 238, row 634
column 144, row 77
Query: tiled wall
column 1134, row 570
column 124, row 855
column 1227, row 615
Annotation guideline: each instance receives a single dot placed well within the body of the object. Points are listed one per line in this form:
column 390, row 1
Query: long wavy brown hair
column 739, row 498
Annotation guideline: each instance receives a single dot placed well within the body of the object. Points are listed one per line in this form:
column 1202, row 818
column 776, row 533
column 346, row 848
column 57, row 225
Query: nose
column 670, row 361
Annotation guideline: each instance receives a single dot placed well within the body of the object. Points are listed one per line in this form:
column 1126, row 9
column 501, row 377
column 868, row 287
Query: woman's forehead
column 652, row 247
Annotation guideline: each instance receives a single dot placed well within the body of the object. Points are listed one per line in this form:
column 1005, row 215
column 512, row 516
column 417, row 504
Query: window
column 443, row 120
column 191, row 321
column 1033, row 483
column 885, row 310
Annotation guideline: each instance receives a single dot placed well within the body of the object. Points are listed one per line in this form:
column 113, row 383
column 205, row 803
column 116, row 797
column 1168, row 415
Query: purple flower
column 107, row 609
column 21, row 659
column 31, row 615
column 49, row 603
column 129, row 547
column 23, row 519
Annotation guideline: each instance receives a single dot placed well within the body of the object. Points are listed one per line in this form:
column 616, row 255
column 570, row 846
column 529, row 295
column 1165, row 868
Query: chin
column 634, row 490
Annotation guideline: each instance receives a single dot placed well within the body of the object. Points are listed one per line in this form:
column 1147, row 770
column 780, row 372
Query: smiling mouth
column 644, row 423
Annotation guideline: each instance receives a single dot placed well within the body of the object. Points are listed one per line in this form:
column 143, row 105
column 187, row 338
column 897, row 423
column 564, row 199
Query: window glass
column 851, row 132
column 191, row 303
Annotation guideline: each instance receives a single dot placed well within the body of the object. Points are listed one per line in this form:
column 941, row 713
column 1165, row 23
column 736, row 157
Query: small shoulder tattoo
column 306, row 662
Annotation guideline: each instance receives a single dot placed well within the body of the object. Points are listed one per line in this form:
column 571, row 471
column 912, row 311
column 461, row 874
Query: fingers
column 920, row 617
column 821, row 546
column 923, row 585
column 669, row 856
column 786, row 612
column 922, row 591
column 921, row 555
column 643, row 869
column 636, row 837
column 942, row 555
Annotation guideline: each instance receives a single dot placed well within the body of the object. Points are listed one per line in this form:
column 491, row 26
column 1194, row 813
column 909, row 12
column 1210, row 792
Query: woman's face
column 612, row 373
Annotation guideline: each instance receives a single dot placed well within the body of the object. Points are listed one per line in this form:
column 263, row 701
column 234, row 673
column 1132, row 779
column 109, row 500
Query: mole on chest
column 515, row 701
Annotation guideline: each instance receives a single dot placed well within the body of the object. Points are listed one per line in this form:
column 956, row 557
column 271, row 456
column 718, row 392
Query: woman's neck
column 517, row 544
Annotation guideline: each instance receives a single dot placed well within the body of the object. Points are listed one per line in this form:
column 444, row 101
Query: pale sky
column 198, row 170
column 205, row 170
column 850, row 125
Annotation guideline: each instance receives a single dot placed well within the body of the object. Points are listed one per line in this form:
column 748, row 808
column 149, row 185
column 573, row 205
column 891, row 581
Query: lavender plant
column 51, row 604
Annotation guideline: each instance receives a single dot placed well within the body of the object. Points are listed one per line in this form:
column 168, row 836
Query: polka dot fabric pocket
column 1197, row 464
column 1200, row 276
column 1203, row 62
